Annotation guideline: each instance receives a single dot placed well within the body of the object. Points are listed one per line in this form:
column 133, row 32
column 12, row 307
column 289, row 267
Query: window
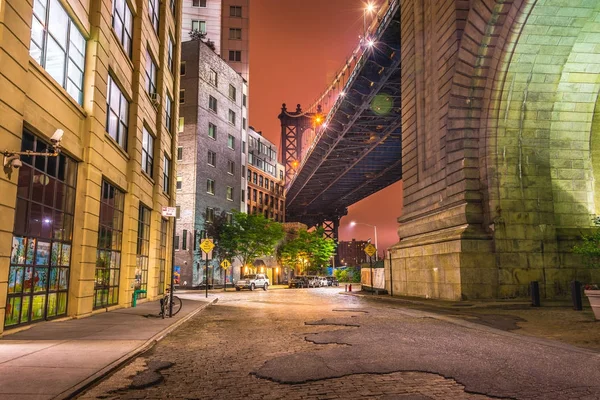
column 143, row 250
column 182, row 96
column 260, row 197
column 108, row 253
column 212, row 77
column 255, row 178
column 254, row 194
column 184, row 237
column 168, row 112
column 210, row 186
column 150, row 75
column 243, row 195
column 58, row 46
column 212, row 103
column 122, row 22
column 179, row 153
column 162, row 255
column 229, row 193
column 231, row 142
column 182, row 68
column 180, row 125
column 147, row 151
column 210, row 214
column 166, row 174
column 179, row 185
column 153, row 13
column 230, row 167
column 199, row 3
column 198, row 25
column 177, row 213
column 212, row 158
column 212, row 130
column 249, row 195
column 176, row 242
column 260, row 180
column 243, row 171
column 235, row 11
column 244, row 100
column 267, row 183
column 232, row 117
column 232, row 92
column 243, row 146
column 281, row 175
column 229, row 218
column 235, row 55
column 244, row 123
column 170, row 62
column 173, row 9
column 235, row 33
column 117, row 114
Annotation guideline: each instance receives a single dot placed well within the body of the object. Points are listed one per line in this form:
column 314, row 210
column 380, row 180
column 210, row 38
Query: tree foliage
column 590, row 245
column 215, row 230
column 250, row 236
column 195, row 34
column 307, row 251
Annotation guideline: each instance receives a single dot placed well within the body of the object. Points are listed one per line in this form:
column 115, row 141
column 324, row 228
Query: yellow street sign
column 370, row 250
column 207, row 245
column 225, row 264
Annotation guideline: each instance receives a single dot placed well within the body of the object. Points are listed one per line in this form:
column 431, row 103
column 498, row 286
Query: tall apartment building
column 226, row 23
column 82, row 229
column 265, row 178
column 209, row 156
column 352, row 253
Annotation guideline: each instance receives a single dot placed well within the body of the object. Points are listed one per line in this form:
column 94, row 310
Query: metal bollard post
column 576, row 295
column 535, row 294
column 350, row 288
column 345, row 288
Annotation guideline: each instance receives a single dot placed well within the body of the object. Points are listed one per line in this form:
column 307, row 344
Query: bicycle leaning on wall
column 165, row 304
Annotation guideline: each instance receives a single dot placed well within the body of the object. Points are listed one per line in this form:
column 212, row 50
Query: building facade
column 352, row 253
column 81, row 229
column 209, row 155
column 226, row 23
column 265, row 178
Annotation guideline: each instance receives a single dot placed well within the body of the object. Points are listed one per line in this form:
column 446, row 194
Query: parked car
column 252, row 281
column 323, row 281
column 299, row 281
column 332, row 281
column 313, row 281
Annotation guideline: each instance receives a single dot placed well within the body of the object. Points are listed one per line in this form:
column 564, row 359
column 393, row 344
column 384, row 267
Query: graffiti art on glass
column 62, row 303
column 18, row 251
column 15, row 279
column 177, row 275
column 53, row 279
column 25, row 309
column 28, row 279
column 13, row 308
column 42, row 253
column 40, row 279
column 63, row 279
column 66, row 255
column 30, row 251
column 55, row 259
column 37, row 307
column 51, row 310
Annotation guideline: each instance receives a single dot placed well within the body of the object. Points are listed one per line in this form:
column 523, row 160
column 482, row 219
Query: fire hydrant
column 350, row 288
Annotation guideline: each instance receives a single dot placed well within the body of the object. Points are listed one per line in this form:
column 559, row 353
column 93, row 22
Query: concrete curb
column 480, row 327
column 98, row 376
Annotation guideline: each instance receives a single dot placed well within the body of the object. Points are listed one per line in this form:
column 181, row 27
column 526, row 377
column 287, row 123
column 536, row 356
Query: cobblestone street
column 320, row 344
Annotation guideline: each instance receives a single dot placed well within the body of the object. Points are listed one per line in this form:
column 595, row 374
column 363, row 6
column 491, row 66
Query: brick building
column 209, row 153
column 81, row 230
column 265, row 178
column 352, row 253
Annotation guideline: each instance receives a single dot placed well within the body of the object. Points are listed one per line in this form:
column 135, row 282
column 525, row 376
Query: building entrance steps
column 57, row 359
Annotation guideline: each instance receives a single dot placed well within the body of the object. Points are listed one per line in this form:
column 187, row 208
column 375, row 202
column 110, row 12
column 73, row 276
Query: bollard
column 576, row 295
column 535, row 294
column 135, row 294
column 350, row 288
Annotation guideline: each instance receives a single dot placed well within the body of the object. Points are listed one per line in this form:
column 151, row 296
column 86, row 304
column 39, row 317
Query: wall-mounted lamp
column 12, row 159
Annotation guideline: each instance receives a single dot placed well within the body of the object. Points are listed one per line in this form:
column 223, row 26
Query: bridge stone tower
column 500, row 146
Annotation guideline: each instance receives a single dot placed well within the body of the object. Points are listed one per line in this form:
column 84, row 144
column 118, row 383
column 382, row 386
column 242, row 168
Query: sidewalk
column 54, row 360
column 555, row 320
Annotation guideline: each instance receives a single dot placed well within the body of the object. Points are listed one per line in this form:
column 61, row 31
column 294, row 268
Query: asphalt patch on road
column 332, row 322
column 151, row 376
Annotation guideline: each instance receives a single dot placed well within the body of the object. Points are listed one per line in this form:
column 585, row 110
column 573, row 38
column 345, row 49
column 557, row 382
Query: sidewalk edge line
column 99, row 375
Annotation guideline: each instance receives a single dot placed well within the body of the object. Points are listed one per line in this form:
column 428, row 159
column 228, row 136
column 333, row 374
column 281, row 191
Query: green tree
column 590, row 246
column 249, row 236
column 307, row 251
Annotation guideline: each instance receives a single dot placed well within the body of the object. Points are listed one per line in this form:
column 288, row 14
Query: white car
column 252, row 281
column 323, row 281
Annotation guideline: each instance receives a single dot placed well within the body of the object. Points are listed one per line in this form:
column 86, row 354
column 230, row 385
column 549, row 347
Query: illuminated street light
column 352, row 223
column 368, row 9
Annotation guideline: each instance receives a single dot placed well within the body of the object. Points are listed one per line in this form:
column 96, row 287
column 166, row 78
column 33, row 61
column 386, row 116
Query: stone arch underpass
column 501, row 125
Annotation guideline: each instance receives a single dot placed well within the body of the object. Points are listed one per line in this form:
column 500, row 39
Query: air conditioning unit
column 154, row 98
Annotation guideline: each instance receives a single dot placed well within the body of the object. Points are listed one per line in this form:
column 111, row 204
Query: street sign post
column 171, row 212
column 371, row 251
column 225, row 264
column 206, row 246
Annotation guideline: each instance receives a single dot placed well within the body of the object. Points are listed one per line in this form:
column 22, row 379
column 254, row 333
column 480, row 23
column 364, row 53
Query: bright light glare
column 370, row 7
column 352, row 223
column 342, row 93
column 370, row 43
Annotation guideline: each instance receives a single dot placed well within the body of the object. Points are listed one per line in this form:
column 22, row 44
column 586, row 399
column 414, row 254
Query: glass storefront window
column 108, row 256
column 40, row 259
column 164, row 227
column 143, row 250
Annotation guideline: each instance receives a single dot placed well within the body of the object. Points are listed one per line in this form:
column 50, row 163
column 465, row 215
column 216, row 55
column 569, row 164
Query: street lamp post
column 375, row 229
